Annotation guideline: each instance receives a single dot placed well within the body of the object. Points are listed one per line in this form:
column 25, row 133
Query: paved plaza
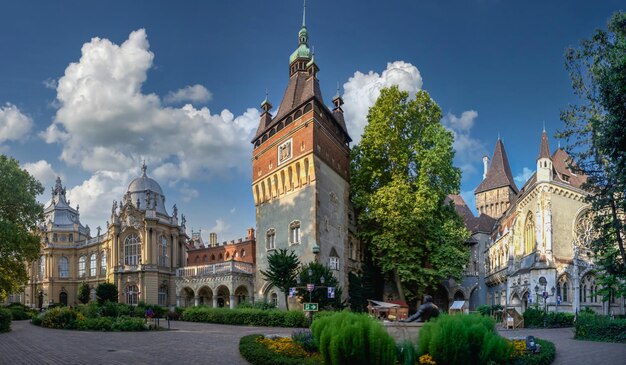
column 198, row 343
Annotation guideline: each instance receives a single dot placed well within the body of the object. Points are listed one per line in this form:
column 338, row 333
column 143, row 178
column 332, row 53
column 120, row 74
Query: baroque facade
column 139, row 251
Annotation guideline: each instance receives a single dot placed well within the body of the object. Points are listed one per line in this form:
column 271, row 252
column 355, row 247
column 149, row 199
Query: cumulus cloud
column 188, row 193
column 362, row 90
column 469, row 150
column 106, row 123
column 220, row 227
column 42, row 170
column 14, row 125
column 50, row 83
column 195, row 94
column 522, row 177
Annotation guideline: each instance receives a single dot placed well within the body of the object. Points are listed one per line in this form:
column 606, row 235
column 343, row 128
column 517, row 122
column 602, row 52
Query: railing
column 216, row 269
column 470, row 273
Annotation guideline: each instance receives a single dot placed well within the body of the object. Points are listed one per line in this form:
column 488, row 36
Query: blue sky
column 90, row 89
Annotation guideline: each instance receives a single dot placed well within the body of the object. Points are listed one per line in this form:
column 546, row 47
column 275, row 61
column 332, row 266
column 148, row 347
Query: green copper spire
column 303, row 40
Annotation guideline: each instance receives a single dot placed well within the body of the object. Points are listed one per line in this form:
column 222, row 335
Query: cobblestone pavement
column 573, row 352
column 187, row 343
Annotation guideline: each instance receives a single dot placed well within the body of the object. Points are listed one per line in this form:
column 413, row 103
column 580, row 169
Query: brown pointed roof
column 482, row 223
column 561, row 161
column 499, row 172
column 544, row 148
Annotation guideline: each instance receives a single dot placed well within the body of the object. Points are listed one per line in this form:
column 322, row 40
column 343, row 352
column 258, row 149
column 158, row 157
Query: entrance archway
column 474, row 301
column 187, row 295
column 440, row 298
column 241, row 294
column 40, row 300
column 63, row 298
column 205, row 295
column 223, row 297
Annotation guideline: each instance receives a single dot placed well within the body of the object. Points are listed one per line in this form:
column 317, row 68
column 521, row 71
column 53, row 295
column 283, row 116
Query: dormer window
column 565, row 178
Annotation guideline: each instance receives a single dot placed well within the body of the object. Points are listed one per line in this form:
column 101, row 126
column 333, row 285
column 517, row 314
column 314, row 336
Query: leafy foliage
column 256, row 353
column 545, row 357
column 594, row 131
column 600, row 328
column 319, row 295
column 258, row 304
column 401, row 174
column 534, row 318
column 463, row 339
column 106, row 292
column 248, row 317
column 5, row 320
column 281, row 272
column 349, row 338
column 19, row 214
column 83, row 293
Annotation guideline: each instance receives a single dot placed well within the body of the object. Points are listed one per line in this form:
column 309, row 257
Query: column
column 178, row 300
column 232, row 301
column 153, row 243
column 196, row 300
column 214, row 300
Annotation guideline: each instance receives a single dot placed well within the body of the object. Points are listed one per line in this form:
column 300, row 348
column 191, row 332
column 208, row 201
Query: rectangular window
column 334, row 263
column 294, row 233
column 92, row 265
column 163, row 296
column 103, row 263
column 82, row 261
column 270, row 243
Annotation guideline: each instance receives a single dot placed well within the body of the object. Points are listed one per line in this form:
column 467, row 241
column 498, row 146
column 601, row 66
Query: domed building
column 139, row 251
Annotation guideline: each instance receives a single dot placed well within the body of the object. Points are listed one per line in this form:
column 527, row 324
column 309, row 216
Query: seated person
column 425, row 312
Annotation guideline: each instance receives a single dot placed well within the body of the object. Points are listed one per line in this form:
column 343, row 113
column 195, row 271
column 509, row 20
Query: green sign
column 311, row 307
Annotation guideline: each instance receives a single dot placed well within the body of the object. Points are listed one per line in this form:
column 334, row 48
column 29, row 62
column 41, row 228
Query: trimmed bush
column 249, row 317
column 259, row 304
column 349, row 338
column 5, row 320
column 600, row 328
column 257, row 353
column 534, row 318
column 463, row 339
column 106, row 292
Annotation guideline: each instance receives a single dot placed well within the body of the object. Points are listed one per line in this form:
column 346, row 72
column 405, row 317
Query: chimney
column 485, row 166
column 240, row 240
column 250, row 234
column 213, row 239
column 224, row 243
column 232, row 242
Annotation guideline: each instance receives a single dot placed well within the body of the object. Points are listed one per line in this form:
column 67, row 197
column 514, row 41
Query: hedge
column 258, row 354
column 600, row 328
column 20, row 312
column 249, row 317
column 349, row 338
column 534, row 318
column 5, row 320
column 67, row 318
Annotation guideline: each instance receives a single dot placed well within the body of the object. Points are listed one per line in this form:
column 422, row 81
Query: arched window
column 212, row 257
column 565, row 289
column 294, row 233
column 243, row 253
column 132, row 250
column 529, row 234
column 274, row 299
column 64, row 267
column 42, row 267
column 227, row 255
column 204, row 258
column 132, row 294
column 82, row 262
column 163, row 251
column 92, row 264
column 270, row 236
column 103, row 263
column 221, row 257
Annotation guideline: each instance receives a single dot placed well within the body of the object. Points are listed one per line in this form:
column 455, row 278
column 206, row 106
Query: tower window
column 294, row 233
column 333, row 263
column 270, row 237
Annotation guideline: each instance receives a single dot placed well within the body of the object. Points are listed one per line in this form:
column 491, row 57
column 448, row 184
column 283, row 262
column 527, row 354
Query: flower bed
column 259, row 350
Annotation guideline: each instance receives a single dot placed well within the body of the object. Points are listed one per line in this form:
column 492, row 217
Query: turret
column 544, row 162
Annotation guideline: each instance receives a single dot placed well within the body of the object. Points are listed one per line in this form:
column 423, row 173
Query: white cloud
column 106, row 123
column 188, row 193
column 14, row 125
column 522, row 177
column 195, row 94
column 220, row 227
column 50, row 83
column 362, row 90
column 469, row 150
column 42, row 171
column 96, row 194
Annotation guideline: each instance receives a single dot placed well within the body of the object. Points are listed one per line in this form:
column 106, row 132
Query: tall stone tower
column 497, row 190
column 300, row 163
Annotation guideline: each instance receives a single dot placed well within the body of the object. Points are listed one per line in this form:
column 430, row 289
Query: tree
column 281, row 272
column 83, row 292
column 594, row 131
column 106, row 292
column 19, row 214
column 401, row 174
column 319, row 295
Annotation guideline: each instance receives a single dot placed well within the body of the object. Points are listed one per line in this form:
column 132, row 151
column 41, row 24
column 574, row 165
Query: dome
column 147, row 192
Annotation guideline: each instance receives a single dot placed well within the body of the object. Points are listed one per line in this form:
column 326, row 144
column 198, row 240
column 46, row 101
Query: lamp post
column 310, row 287
column 545, row 295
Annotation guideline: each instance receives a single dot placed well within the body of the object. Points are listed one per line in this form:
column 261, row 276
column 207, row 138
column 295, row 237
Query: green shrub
column 544, row 357
column 259, row 304
column 587, row 310
column 96, row 324
column 258, row 354
column 90, row 310
column 106, row 292
column 463, row 339
column 484, row 309
column 5, row 320
column 129, row 324
column 36, row 320
column 534, row 318
column 560, row 319
column 600, row 328
column 60, row 317
column 250, row 317
column 349, row 338
column 406, row 354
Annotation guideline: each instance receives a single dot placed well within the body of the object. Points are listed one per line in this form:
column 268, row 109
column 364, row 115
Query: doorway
column 63, row 298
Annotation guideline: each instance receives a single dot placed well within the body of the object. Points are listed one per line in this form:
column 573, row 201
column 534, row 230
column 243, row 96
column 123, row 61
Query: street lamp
column 545, row 295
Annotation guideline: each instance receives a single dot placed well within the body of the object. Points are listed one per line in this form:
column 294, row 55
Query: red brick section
column 245, row 250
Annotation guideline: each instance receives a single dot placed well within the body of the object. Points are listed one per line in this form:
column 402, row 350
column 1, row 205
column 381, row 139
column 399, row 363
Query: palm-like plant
column 282, row 270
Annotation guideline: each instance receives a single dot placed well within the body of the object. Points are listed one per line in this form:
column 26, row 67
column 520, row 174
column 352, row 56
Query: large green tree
column 282, row 270
column 19, row 214
column 312, row 273
column 594, row 131
column 401, row 174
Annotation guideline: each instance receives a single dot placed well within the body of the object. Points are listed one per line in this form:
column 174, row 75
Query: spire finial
column 544, row 126
column 144, row 167
column 337, row 89
column 498, row 135
column 304, row 15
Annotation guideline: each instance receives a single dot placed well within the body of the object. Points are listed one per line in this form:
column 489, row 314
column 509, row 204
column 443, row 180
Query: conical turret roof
column 499, row 171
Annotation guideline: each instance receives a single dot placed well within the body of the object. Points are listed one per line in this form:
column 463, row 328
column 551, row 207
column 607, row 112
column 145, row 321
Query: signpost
column 311, row 307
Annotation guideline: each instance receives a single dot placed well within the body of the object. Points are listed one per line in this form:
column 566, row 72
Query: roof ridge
column 499, row 171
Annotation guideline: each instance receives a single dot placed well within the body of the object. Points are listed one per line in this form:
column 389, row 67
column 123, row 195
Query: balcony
column 216, row 269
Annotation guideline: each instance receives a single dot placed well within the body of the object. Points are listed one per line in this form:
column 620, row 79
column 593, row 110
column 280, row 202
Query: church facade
column 139, row 251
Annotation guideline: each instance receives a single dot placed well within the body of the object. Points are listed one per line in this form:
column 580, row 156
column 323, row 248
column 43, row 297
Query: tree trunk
column 398, row 285
column 618, row 231
column 286, row 300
